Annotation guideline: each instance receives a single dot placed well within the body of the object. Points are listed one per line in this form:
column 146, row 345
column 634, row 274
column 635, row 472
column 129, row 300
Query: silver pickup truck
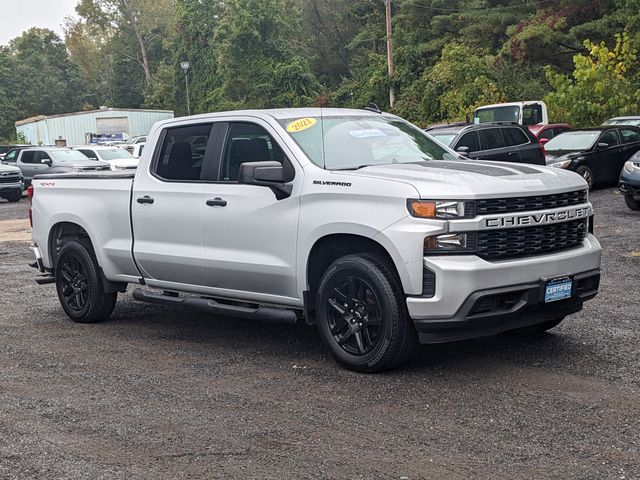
column 356, row 221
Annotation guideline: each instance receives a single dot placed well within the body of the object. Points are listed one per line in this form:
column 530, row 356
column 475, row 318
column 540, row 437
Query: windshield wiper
column 351, row 168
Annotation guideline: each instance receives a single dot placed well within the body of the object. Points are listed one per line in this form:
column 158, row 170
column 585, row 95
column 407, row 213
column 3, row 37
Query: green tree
column 604, row 83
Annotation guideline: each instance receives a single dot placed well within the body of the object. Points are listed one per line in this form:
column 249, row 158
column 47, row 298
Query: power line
column 469, row 10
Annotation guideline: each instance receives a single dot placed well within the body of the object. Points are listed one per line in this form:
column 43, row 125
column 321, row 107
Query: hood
column 8, row 169
column 557, row 155
column 463, row 180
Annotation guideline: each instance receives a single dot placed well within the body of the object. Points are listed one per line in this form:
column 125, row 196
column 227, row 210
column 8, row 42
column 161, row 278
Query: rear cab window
column 182, row 155
column 28, row 156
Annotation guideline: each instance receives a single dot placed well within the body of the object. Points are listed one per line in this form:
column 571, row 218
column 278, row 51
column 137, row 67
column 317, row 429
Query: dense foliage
column 450, row 56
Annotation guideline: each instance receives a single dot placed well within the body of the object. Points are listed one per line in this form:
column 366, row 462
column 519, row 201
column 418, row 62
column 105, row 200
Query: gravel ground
column 162, row 393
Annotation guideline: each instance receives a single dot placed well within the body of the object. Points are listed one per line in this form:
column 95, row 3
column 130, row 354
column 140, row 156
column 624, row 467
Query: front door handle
column 145, row 199
column 216, row 202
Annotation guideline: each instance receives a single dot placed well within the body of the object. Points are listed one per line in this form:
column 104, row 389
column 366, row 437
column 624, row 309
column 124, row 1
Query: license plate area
column 558, row 289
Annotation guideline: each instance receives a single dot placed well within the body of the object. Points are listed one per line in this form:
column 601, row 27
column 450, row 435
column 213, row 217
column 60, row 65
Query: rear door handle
column 217, row 202
column 145, row 199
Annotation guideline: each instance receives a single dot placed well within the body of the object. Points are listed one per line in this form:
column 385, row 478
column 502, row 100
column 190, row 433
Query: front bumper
column 630, row 183
column 461, row 282
column 10, row 188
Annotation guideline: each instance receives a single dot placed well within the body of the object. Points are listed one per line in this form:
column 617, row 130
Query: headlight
column 562, row 164
column 450, row 243
column 441, row 210
column 632, row 167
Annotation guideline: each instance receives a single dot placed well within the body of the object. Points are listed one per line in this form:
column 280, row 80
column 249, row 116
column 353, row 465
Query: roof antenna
column 372, row 107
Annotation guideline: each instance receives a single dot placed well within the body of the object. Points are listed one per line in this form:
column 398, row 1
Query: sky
column 16, row 16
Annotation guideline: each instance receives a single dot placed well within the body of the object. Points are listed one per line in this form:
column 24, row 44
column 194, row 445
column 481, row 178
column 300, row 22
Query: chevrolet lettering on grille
column 542, row 218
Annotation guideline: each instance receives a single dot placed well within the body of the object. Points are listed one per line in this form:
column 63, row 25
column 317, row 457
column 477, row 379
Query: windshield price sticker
column 301, row 125
column 368, row 133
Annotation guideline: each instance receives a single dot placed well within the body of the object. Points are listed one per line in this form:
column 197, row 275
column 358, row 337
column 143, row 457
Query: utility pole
column 392, row 94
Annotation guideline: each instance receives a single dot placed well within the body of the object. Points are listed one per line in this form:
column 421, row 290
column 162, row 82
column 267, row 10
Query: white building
column 77, row 128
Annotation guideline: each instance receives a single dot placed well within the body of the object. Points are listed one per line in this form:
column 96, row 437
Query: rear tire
column 79, row 284
column 539, row 328
column 587, row 174
column 362, row 316
column 631, row 202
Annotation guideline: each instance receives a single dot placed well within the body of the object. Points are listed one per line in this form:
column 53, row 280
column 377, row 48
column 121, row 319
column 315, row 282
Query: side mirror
column 267, row 174
column 602, row 146
column 543, row 141
column 463, row 151
column 46, row 161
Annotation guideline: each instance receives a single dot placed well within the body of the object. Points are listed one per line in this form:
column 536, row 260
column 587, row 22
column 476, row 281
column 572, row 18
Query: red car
column 544, row 133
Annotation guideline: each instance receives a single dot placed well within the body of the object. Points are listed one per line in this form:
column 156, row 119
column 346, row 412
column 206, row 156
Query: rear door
column 493, row 146
column 527, row 148
column 168, row 206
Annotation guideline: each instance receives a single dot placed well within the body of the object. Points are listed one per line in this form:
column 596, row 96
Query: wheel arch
column 329, row 248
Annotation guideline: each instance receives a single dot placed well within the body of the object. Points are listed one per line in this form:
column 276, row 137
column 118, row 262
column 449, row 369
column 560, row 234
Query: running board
column 45, row 279
column 207, row 305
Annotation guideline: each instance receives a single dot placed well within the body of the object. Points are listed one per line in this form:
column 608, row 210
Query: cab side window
column 182, row 155
column 610, row 138
column 90, row 154
column 247, row 142
column 11, row 156
column 514, row 136
column 629, row 136
column 469, row 140
column 28, row 157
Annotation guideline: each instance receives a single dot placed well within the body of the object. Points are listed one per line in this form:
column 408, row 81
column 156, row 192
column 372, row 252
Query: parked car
column 597, row 154
column 10, row 155
column 357, row 221
column 544, row 133
column 629, row 183
column 633, row 120
column 36, row 161
column 118, row 158
column 5, row 148
column 11, row 183
column 507, row 142
column 136, row 150
column 136, row 139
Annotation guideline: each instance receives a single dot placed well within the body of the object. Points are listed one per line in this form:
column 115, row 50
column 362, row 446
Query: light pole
column 185, row 69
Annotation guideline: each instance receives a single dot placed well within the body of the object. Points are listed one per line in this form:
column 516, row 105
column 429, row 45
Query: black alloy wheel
column 74, row 283
column 355, row 319
column 587, row 174
column 362, row 314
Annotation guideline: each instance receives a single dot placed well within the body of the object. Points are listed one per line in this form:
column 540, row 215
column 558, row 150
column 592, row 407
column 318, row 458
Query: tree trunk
column 143, row 53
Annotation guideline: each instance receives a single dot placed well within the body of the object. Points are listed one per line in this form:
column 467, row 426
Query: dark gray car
column 37, row 161
column 502, row 141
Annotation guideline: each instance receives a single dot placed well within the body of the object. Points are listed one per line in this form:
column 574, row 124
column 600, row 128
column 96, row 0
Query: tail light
column 30, row 195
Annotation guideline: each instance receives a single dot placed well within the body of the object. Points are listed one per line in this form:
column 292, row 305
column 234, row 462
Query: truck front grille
column 527, row 204
column 530, row 241
column 10, row 179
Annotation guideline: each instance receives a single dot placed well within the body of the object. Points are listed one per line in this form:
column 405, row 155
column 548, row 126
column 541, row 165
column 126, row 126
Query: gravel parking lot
column 161, row 393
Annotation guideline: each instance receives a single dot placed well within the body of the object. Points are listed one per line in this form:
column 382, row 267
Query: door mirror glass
column 46, row 161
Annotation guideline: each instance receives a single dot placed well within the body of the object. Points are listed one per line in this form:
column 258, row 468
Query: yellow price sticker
column 301, row 124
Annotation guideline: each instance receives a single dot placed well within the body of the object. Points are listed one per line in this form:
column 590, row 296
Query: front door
column 250, row 236
column 168, row 207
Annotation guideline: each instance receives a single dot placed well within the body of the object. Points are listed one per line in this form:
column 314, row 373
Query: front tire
column 362, row 315
column 587, row 174
column 79, row 284
column 631, row 202
column 16, row 197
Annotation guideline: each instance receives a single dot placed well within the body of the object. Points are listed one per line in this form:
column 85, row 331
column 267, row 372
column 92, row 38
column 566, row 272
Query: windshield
column 498, row 114
column 358, row 141
column 627, row 121
column 573, row 141
column 113, row 154
column 67, row 155
column 446, row 138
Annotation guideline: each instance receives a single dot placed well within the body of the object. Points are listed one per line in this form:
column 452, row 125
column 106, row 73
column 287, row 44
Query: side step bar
column 45, row 279
column 207, row 305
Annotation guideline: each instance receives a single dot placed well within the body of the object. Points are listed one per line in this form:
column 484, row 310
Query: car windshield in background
column 625, row 121
column 358, row 141
column 498, row 114
column 67, row 155
column 446, row 138
column 114, row 154
column 573, row 140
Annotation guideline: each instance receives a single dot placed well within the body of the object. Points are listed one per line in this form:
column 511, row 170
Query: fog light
column 449, row 243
